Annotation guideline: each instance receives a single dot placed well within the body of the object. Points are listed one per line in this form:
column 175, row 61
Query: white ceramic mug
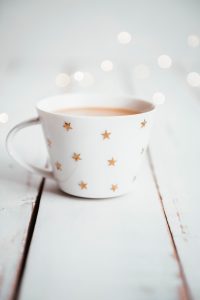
column 91, row 156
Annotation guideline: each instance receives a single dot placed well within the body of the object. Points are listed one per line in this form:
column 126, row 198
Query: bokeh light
column 78, row 76
column 88, row 80
column 193, row 40
column 62, row 80
column 158, row 98
column 107, row 65
column 3, row 118
column 193, row 79
column 142, row 71
column 164, row 61
column 124, row 37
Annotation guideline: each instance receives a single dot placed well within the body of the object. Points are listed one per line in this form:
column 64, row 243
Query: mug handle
column 14, row 154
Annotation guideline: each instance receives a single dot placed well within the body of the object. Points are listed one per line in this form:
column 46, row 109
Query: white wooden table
column 145, row 245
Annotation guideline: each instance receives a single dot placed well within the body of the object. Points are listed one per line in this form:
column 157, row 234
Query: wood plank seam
column 185, row 293
column 31, row 226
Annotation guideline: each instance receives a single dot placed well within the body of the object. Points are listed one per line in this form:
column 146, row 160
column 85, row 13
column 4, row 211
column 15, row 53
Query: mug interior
column 52, row 104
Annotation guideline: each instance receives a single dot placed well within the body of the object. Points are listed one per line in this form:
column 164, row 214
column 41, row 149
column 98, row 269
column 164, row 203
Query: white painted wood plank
column 102, row 249
column 175, row 148
column 18, row 189
column 14, row 223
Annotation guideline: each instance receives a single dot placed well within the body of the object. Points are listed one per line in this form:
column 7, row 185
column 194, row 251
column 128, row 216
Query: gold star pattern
column 83, row 185
column 67, row 126
column 114, row 187
column 106, row 135
column 111, row 162
column 76, row 156
column 143, row 123
column 142, row 151
column 58, row 166
column 49, row 143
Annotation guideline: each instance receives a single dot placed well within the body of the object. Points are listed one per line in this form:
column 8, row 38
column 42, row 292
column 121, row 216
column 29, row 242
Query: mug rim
column 40, row 106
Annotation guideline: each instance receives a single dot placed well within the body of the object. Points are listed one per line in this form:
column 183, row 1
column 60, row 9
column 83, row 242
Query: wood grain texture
column 18, row 189
column 174, row 150
column 14, row 224
column 18, row 192
column 102, row 249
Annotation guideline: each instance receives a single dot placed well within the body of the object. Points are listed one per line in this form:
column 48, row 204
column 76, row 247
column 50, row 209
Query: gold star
column 67, row 126
column 142, row 151
column 58, row 166
column 114, row 187
column 106, row 135
column 143, row 123
column 49, row 142
column 111, row 162
column 83, row 185
column 76, row 156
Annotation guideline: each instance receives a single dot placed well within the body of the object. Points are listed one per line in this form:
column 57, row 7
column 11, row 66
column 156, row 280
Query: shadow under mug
column 91, row 156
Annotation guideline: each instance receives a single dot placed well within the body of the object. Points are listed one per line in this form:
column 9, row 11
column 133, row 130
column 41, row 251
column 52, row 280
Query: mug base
column 102, row 196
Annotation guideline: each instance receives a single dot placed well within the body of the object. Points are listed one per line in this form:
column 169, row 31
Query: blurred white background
column 50, row 37
column 64, row 29
column 51, row 47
